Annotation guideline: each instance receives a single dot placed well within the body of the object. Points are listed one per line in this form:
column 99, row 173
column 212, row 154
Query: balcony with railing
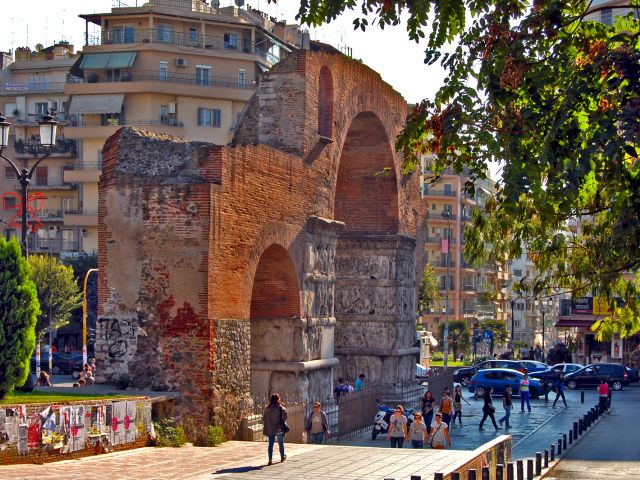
column 435, row 192
column 84, row 172
column 437, row 216
column 438, row 240
column 50, row 182
column 184, row 39
column 49, row 215
column 443, row 263
column 32, row 148
column 81, row 218
column 22, row 88
column 51, row 245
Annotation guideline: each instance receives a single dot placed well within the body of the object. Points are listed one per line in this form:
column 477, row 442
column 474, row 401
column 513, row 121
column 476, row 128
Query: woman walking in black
column 274, row 420
column 488, row 409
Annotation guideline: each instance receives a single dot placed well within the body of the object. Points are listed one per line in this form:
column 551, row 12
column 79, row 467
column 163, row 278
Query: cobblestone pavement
column 244, row 461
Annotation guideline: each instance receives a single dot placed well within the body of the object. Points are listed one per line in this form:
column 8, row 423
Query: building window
column 242, row 76
column 517, row 273
column 209, row 117
column 606, row 16
column 203, row 75
column 230, row 40
column 164, row 33
column 193, row 35
column 164, row 70
column 9, row 174
column 516, row 323
column 42, row 176
column 9, row 202
column 447, row 190
column 41, row 109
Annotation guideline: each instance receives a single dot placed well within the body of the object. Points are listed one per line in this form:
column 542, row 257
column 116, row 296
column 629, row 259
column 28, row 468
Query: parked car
column 566, row 367
column 533, row 366
column 499, row 378
column 615, row 375
column 633, row 375
column 463, row 375
column 62, row 363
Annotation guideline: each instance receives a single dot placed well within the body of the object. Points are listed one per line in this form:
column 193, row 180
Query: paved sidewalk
column 611, row 449
column 244, row 461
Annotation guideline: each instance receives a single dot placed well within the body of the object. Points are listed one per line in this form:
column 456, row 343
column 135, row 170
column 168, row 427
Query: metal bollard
column 570, row 437
column 575, row 429
column 485, row 473
column 553, row 452
column 559, row 447
column 499, row 472
column 472, row 474
column 564, row 441
column 530, row 469
column 538, row 463
column 418, row 477
column 580, row 426
column 455, row 475
column 510, row 471
column 519, row 470
column 581, row 397
column 546, row 458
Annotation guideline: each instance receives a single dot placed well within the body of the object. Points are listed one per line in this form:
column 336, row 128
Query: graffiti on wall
column 119, row 335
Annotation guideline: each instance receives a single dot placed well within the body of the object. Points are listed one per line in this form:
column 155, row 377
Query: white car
column 566, row 367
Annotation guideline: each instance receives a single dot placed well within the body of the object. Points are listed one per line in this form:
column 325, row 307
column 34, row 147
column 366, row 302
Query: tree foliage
column 459, row 337
column 58, row 291
column 19, row 309
column 554, row 97
column 499, row 330
column 429, row 293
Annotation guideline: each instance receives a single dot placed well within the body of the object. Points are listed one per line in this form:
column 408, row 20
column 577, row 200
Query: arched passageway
column 374, row 264
column 275, row 312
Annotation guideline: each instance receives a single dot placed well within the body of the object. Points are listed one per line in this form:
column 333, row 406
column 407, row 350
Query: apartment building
column 605, row 11
column 179, row 67
column 471, row 293
column 29, row 87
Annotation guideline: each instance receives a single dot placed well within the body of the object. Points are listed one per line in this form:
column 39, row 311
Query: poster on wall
column 130, row 422
column 117, row 422
column 4, row 436
column 148, row 424
column 140, row 418
column 23, row 439
column 77, row 428
column 33, row 436
column 11, row 422
column 616, row 346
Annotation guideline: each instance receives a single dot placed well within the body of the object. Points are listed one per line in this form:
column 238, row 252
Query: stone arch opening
column 325, row 103
column 375, row 318
column 274, row 316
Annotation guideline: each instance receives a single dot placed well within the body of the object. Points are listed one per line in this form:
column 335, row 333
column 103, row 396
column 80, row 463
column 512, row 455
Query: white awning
column 432, row 340
column 111, row 103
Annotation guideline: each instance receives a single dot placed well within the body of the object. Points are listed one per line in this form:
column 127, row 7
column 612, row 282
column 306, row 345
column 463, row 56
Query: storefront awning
column 93, row 104
column 107, row 61
column 580, row 321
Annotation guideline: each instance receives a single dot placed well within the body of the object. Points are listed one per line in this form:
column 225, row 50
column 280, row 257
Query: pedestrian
column 440, row 437
column 508, row 405
column 558, row 384
column 488, row 410
column 457, row 405
column 603, row 395
column 428, row 403
column 44, row 380
column 274, row 420
column 92, row 365
column 446, row 406
column 341, row 389
column 360, row 382
column 525, row 395
column 350, row 388
column 317, row 425
column 418, row 432
column 397, row 428
column 532, row 355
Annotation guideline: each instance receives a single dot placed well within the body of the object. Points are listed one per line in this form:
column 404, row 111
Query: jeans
column 604, row 401
column 417, row 443
column 525, row 397
column 428, row 419
column 446, row 418
column 272, row 439
column 560, row 393
column 507, row 414
column 317, row 438
column 491, row 416
column 396, row 442
column 457, row 414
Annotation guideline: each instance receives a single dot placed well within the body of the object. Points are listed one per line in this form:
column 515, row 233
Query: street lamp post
column 446, row 214
column 48, row 130
column 84, row 316
column 545, row 307
column 513, row 301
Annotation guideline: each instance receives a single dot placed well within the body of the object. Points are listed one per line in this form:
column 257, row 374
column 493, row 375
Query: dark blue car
column 499, row 378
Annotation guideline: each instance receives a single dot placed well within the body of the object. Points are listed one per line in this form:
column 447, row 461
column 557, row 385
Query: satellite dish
column 239, row 3
column 39, row 47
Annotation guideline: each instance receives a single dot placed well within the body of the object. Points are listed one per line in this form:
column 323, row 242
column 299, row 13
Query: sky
column 399, row 61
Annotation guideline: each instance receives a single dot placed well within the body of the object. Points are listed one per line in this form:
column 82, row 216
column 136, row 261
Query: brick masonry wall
column 184, row 226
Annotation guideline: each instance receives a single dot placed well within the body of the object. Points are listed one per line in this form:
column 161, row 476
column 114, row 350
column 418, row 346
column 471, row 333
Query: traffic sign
column 488, row 335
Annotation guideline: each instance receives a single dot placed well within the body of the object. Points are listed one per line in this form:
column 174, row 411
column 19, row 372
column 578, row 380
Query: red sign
column 35, row 202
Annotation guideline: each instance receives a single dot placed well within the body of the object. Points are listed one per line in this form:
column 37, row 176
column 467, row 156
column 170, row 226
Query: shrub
column 169, row 433
column 437, row 357
column 216, row 436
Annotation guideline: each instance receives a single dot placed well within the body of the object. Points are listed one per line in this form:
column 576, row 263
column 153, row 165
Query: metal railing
column 83, row 166
column 182, row 39
column 31, row 87
column 172, row 77
column 443, row 263
column 50, row 181
column 35, row 148
column 439, row 192
column 49, row 215
column 115, row 122
column 81, row 212
column 439, row 239
column 36, row 244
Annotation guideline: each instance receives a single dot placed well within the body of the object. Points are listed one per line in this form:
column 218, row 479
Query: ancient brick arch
column 274, row 264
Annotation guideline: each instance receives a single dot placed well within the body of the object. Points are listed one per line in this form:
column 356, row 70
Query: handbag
column 283, row 425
